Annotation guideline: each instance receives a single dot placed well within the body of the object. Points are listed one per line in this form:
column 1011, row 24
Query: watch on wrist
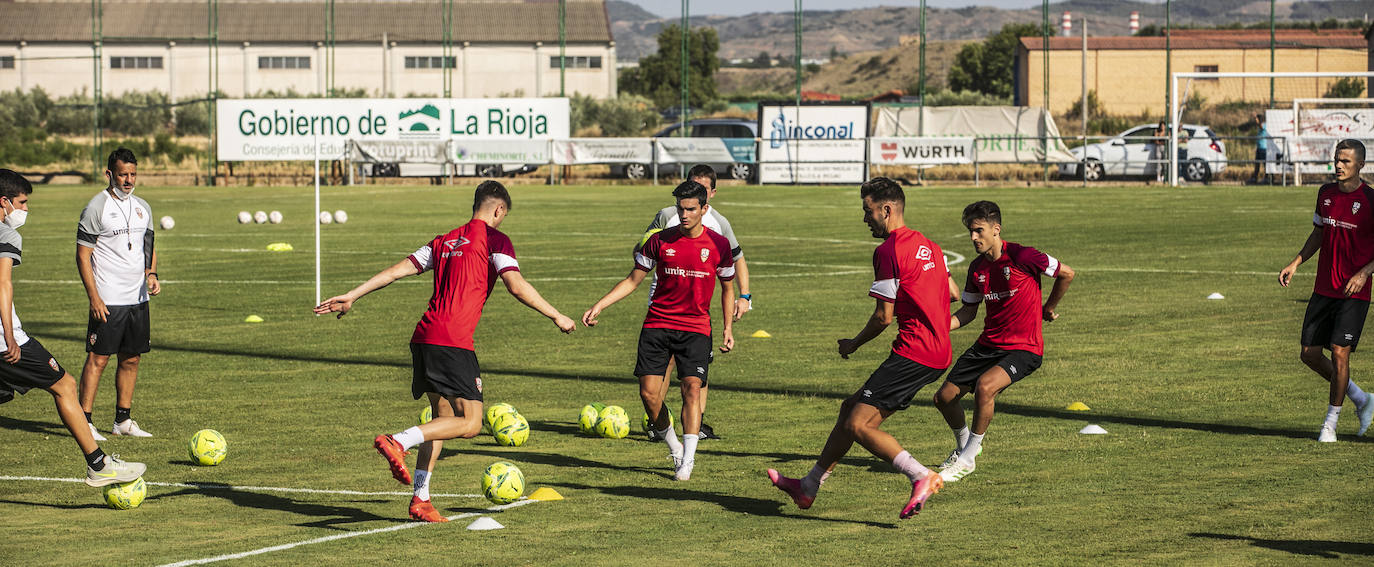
column 746, row 296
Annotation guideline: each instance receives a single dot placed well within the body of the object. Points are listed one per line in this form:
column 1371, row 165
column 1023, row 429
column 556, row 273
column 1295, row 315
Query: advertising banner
column 396, row 151
column 812, row 143
column 288, row 129
column 498, row 151
column 693, row 150
column 1313, row 149
column 602, row 150
column 1013, row 134
column 920, row 151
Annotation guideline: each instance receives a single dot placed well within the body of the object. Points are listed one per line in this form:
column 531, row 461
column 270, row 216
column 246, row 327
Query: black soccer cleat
column 707, row 433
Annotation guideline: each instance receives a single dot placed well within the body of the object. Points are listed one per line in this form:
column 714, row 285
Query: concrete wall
column 482, row 70
column 1133, row 82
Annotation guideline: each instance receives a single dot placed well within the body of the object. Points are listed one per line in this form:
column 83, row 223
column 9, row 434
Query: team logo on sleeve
column 478, row 380
column 52, row 363
column 923, row 253
column 705, row 254
column 91, row 339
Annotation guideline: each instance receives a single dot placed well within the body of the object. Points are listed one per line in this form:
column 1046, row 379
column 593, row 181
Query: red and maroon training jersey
column 910, row 270
column 466, row 263
column 1347, row 238
column 1010, row 286
column 686, row 269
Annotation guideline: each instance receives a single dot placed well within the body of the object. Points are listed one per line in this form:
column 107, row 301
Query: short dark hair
column 882, row 189
column 488, row 190
column 13, row 185
column 982, row 211
column 1352, row 144
column 125, row 155
column 703, row 170
column 690, row 190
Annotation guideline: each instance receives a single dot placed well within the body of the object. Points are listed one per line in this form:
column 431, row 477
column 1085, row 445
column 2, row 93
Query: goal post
column 1251, row 90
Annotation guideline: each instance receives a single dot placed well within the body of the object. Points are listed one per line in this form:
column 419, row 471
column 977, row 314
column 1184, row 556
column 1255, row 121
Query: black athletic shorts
column 36, row 369
column 124, row 331
column 980, row 358
column 1332, row 321
column 895, row 382
column 445, row 370
column 658, row 346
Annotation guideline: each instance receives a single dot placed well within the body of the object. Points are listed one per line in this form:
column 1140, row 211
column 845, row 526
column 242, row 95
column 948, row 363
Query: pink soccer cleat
column 792, row 487
column 922, row 490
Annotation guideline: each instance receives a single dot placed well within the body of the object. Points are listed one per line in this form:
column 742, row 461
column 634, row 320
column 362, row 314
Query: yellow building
column 1130, row 78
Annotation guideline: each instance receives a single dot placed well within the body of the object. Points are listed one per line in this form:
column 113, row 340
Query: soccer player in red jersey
column 911, row 283
column 466, row 263
column 678, row 325
column 1005, row 276
column 1344, row 232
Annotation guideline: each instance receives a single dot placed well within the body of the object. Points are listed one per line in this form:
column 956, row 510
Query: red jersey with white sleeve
column 1347, row 238
column 911, row 271
column 466, row 263
column 685, row 268
column 1010, row 286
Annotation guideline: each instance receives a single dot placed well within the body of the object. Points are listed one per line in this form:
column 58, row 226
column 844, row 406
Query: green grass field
column 1210, row 459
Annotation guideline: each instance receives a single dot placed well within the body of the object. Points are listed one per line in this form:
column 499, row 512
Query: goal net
column 1310, row 111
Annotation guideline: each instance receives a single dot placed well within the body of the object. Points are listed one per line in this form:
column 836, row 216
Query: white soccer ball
column 326, row 218
column 245, row 217
column 167, row 223
column 340, row 216
column 274, row 217
column 260, row 217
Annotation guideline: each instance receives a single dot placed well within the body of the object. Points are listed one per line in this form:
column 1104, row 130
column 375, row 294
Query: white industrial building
column 386, row 48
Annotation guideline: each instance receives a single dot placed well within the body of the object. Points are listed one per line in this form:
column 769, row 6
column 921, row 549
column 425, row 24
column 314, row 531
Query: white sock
column 689, row 447
column 670, row 437
column 1360, row 397
column 409, row 438
column 811, row 483
column 960, row 437
column 422, row 484
column 971, row 447
column 909, row 466
column 1333, row 413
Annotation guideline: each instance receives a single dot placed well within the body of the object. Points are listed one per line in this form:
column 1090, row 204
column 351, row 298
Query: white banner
column 1004, row 133
column 498, row 151
column 602, row 150
column 397, row 151
column 920, row 151
column 1314, row 147
column 693, row 150
column 287, row 129
column 810, row 143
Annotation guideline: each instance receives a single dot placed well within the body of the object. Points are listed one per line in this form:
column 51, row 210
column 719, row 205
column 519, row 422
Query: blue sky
column 669, row 8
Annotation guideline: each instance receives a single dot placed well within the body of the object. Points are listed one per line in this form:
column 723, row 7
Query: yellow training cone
column 546, row 494
column 280, row 247
column 761, row 334
column 1078, row 406
column 252, row 319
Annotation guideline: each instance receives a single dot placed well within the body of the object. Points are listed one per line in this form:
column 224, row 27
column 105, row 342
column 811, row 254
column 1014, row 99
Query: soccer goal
column 1312, row 110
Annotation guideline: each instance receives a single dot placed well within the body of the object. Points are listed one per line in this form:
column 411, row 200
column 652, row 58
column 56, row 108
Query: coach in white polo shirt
column 118, row 266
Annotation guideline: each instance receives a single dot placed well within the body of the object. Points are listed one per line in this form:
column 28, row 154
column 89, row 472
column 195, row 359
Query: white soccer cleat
column 95, row 432
column 1366, row 413
column 1327, row 435
column 130, row 428
column 115, row 471
column 956, row 471
column 684, row 469
column 949, row 461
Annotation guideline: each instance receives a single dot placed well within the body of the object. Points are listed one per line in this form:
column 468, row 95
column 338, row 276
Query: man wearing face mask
column 118, row 267
column 24, row 363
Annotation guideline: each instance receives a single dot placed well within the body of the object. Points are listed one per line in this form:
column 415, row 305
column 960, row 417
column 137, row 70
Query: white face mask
column 15, row 218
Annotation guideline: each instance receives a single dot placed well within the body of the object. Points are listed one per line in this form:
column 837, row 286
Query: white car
column 1128, row 155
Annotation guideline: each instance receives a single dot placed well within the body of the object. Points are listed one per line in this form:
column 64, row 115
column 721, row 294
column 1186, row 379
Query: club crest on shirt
column 1006, row 272
column 479, row 383
column 1355, row 208
column 91, row 339
column 705, row 254
column 52, row 363
column 139, row 212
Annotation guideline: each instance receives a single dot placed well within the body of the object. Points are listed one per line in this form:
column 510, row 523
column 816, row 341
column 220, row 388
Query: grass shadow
column 42, row 427
column 738, row 504
column 55, row 506
column 328, row 516
column 1310, row 547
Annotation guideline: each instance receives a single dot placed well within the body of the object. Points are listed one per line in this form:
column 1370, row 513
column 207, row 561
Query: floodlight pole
column 797, row 50
column 562, row 48
column 921, row 80
column 447, row 75
column 1271, row 53
column 212, row 15
column 1083, row 101
column 97, row 41
column 686, row 31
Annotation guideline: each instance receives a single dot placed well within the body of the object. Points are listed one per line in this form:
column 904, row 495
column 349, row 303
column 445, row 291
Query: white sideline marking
column 248, row 488
column 398, row 527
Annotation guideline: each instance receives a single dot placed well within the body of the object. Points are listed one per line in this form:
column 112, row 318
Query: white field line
column 247, row 488
column 286, row 546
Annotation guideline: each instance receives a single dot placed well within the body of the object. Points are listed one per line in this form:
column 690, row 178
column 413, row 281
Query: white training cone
column 1093, row 429
column 485, row 523
column 1216, row 296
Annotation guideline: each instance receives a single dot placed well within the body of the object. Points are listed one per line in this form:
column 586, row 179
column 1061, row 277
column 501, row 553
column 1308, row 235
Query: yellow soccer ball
column 208, row 447
column 613, row 423
column 126, row 495
column 510, row 429
column 503, row 483
column 426, row 415
column 586, row 421
column 493, row 411
column 648, row 426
